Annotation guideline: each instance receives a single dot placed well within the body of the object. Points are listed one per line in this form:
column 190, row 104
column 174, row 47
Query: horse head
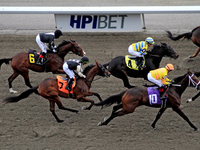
column 75, row 48
column 163, row 50
column 102, row 70
column 169, row 51
column 189, row 79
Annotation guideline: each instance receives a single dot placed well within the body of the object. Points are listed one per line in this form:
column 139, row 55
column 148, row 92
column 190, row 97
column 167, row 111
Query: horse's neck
column 153, row 62
column 184, row 85
column 90, row 75
column 62, row 52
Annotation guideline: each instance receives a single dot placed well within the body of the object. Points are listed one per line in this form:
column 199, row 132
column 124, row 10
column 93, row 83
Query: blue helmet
column 149, row 40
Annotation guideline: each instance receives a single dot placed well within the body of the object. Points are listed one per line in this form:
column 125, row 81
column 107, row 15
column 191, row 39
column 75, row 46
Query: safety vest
column 160, row 74
column 140, row 47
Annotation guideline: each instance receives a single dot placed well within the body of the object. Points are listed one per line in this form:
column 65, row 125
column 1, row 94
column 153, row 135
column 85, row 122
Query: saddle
column 33, row 57
column 131, row 62
column 154, row 96
column 62, row 83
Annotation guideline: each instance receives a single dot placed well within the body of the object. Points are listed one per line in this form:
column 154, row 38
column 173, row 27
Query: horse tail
column 23, row 95
column 5, row 60
column 111, row 100
column 187, row 35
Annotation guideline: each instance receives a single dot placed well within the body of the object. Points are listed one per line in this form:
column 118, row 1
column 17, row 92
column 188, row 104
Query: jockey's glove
column 54, row 50
column 84, row 76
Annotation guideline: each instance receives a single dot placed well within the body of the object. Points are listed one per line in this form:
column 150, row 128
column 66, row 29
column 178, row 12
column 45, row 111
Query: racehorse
column 118, row 68
column 130, row 99
column 21, row 65
column 49, row 90
column 194, row 35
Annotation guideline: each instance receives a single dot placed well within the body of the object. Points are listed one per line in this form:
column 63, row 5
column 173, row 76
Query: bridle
column 193, row 82
column 77, row 52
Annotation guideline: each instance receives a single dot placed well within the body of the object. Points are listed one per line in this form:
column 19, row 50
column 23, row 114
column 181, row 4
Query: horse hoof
column 189, row 100
column 12, row 91
column 99, row 124
column 83, row 108
column 105, row 118
column 154, row 129
column 196, row 129
column 77, row 112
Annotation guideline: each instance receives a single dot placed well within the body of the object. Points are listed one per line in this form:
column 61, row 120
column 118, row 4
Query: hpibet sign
column 101, row 23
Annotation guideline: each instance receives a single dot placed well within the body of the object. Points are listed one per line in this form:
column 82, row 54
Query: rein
column 193, row 82
column 85, row 80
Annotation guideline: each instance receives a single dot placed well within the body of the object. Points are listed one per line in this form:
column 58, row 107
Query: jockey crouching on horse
column 72, row 65
column 44, row 38
column 159, row 77
column 139, row 50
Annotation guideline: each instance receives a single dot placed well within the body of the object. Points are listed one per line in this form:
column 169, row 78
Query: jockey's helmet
column 149, row 40
column 57, row 34
column 169, row 67
column 84, row 60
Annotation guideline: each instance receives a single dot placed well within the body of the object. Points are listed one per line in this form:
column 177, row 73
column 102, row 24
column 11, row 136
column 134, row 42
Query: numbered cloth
column 154, row 96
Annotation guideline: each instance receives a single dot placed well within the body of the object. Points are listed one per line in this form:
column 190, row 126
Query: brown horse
column 21, row 65
column 49, row 90
column 194, row 35
column 134, row 97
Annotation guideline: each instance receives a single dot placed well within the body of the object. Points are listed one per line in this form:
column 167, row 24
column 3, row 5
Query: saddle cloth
column 154, row 96
column 62, row 83
column 33, row 56
column 131, row 63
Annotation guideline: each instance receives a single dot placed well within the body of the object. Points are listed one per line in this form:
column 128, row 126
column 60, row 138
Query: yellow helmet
column 149, row 40
column 169, row 67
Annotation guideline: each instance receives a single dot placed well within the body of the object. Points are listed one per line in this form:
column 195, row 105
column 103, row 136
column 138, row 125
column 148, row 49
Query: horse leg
column 85, row 99
column 60, row 106
column 195, row 54
column 10, row 80
column 124, row 77
column 113, row 115
column 180, row 112
column 161, row 111
column 52, row 109
column 95, row 94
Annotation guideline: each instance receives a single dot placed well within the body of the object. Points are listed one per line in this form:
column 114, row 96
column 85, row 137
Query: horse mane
column 155, row 49
column 87, row 69
column 195, row 28
column 63, row 43
column 178, row 79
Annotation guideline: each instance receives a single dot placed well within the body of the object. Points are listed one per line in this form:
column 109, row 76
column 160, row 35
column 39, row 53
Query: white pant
column 132, row 52
column 43, row 46
column 69, row 72
column 151, row 79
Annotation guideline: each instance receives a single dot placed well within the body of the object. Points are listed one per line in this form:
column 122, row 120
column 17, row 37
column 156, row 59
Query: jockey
column 159, row 77
column 43, row 38
column 139, row 50
column 74, row 64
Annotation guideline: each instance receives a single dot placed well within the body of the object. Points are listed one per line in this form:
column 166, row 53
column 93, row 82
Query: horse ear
column 72, row 40
column 97, row 63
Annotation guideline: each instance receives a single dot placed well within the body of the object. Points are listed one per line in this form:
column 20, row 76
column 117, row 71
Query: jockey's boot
column 41, row 58
column 163, row 96
column 69, row 84
column 140, row 63
column 162, row 93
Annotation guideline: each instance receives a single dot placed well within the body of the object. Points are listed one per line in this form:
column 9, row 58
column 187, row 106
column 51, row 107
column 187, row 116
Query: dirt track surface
column 29, row 124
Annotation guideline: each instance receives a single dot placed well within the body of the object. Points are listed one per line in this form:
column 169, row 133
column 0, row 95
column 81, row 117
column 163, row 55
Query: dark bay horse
column 117, row 66
column 194, row 35
column 20, row 62
column 130, row 99
column 49, row 90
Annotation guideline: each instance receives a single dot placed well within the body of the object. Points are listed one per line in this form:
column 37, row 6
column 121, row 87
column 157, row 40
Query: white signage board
column 98, row 23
